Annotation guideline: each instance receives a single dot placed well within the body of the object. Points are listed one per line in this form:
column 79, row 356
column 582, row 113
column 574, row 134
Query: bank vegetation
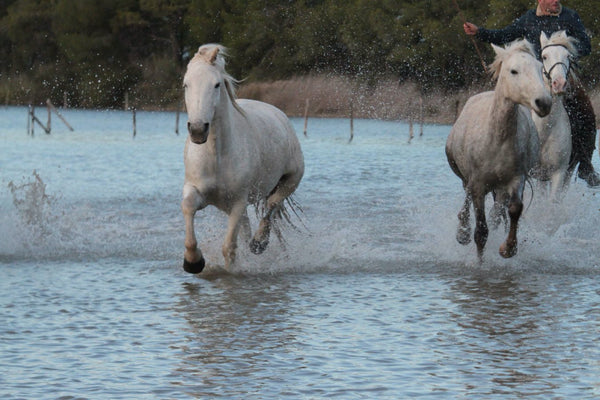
column 384, row 58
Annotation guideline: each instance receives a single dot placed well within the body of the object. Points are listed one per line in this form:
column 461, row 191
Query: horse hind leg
column 463, row 233
column 274, row 209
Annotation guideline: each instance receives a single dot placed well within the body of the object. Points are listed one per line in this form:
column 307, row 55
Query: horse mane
column 216, row 55
column 520, row 45
column 569, row 42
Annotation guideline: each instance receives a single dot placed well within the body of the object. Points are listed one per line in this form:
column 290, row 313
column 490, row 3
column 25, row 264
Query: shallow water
column 371, row 297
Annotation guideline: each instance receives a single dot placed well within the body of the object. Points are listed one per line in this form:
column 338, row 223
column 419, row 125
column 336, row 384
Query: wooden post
column 306, row 117
column 36, row 120
column 49, row 124
column 411, row 133
column 134, row 123
column 456, row 107
column 51, row 107
column 351, row 120
column 179, row 106
column 29, row 131
column 421, row 116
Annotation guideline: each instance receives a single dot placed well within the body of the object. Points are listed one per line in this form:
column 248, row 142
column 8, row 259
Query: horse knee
column 192, row 200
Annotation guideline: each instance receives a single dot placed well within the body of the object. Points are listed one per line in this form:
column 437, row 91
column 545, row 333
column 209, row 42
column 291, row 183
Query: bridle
column 565, row 66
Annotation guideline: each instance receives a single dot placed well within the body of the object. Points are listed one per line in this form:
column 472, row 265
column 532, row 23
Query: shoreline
column 321, row 96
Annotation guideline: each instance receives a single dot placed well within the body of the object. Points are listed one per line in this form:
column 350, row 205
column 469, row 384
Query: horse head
column 519, row 76
column 558, row 54
column 205, row 83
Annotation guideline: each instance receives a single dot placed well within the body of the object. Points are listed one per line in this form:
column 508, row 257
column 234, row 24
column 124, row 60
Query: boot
column 587, row 173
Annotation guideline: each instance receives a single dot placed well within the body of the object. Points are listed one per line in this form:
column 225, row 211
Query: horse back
column 269, row 130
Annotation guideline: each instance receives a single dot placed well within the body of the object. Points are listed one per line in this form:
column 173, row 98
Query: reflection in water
column 511, row 329
column 238, row 329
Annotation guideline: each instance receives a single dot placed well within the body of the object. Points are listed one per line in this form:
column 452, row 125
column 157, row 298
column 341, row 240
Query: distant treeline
column 98, row 53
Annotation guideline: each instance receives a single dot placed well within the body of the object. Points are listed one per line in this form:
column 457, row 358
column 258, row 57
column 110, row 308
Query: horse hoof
column 507, row 252
column 463, row 236
column 193, row 267
column 258, row 247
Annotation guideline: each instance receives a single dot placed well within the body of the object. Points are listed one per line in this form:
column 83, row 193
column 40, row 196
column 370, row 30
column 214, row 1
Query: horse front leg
column 481, row 228
column 236, row 215
column 515, row 208
column 193, row 261
column 558, row 184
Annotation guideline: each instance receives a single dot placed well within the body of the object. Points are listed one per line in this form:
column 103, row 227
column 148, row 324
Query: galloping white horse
column 494, row 143
column 238, row 152
column 554, row 129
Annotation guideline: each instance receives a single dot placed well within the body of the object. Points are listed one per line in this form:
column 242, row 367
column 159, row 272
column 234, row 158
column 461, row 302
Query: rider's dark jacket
column 532, row 24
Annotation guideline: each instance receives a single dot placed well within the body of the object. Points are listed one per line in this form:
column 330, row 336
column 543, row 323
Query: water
column 372, row 297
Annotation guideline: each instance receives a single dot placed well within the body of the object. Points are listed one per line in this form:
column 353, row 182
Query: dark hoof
column 258, row 247
column 507, row 251
column 193, row 267
column 463, row 236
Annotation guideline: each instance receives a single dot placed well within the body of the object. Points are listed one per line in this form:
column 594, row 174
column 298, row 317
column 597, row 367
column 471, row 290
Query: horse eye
column 217, row 85
column 514, row 71
column 544, row 57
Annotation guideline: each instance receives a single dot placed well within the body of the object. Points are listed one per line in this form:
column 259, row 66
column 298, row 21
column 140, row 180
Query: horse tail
column 283, row 215
column 289, row 211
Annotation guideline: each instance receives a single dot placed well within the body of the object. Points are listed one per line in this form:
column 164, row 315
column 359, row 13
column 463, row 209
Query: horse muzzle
column 559, row 86
column 198, row 131
column 543, row 106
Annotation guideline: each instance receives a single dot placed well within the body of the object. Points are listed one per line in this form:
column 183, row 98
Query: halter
column 565, row 66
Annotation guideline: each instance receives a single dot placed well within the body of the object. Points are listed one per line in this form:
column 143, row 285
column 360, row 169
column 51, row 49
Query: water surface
column 371, row 297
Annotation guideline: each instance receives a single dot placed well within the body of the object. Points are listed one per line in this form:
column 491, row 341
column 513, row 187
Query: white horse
column 494, row 143
column 238, row 152
column 554, row 129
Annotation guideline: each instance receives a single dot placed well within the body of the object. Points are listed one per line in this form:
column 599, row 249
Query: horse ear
column 497, row 49
column 543, row 39
column 212, row 56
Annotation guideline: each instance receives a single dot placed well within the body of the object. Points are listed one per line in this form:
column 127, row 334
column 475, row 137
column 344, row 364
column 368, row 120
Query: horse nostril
column 544, row 105
column 198, row 127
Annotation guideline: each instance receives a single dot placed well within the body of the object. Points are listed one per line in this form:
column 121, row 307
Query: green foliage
column 95, row 52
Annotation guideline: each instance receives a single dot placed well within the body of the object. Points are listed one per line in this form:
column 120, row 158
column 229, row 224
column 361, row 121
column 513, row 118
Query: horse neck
column 552, row 124
column 503, row 116
column 222, row 127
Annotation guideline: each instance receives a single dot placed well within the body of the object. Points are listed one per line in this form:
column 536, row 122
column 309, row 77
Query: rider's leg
column 583, row 130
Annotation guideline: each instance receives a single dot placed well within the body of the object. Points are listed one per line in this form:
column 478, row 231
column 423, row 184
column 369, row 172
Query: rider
column 549, row 17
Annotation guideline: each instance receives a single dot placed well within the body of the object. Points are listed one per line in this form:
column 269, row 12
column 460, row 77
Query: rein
column 566, row 67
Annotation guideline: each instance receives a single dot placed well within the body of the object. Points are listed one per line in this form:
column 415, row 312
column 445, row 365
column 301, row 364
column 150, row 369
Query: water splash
column 32, row 204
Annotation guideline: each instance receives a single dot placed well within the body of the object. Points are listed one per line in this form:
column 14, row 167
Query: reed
column 331, row 96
